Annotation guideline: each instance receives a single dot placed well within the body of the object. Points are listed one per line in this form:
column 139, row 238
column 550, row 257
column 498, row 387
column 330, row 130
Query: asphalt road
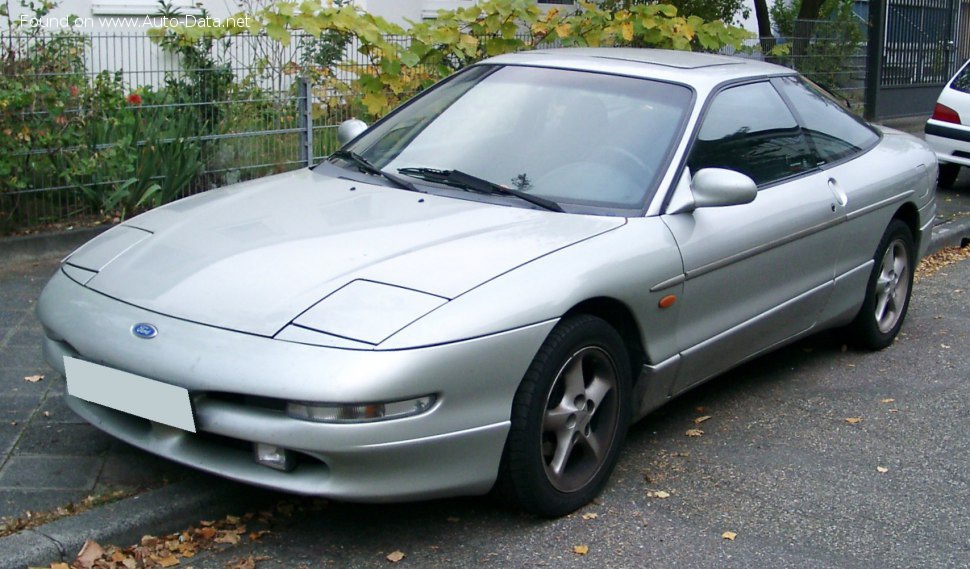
column 778, row 465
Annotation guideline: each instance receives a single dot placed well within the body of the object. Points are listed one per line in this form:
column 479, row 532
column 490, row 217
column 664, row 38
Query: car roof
column 697, row 69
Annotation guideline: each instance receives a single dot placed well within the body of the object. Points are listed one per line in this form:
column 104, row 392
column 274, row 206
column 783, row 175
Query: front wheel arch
column 569, row 419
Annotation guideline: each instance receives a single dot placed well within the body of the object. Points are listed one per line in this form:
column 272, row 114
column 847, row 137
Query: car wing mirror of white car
column 349, row 130
column 713, row 187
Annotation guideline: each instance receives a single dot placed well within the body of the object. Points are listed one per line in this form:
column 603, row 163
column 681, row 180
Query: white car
column 948, row 130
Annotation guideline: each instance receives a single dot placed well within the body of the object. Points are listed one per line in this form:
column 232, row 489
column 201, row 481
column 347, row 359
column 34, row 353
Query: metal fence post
column 304, row 113
column 874, row 51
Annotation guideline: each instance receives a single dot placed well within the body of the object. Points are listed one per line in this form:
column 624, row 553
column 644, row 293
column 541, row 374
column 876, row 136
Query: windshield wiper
column 466, row 181
column 365, row 166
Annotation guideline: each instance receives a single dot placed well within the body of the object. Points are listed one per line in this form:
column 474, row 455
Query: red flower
column 74, row 90
column 134, row 99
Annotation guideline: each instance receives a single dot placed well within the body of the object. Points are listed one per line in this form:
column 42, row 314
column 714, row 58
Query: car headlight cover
column 358, row 412
column 368, row 311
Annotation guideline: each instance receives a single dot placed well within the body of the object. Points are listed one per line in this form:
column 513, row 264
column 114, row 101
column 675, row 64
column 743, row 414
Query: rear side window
column 962, row 81
column 749, row 129
column 834, row 132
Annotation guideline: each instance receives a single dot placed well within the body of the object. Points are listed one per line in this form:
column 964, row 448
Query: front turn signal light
column 358, row 412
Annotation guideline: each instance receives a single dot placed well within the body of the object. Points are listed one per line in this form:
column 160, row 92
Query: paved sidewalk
column 51, row 457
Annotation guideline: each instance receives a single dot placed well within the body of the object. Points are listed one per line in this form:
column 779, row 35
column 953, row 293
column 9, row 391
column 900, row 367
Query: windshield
column 570, row 136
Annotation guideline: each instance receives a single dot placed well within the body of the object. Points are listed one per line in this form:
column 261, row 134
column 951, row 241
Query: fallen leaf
column 229, row 537
column 661, row 494
column 167, row 561
column 729, row 535
column 700, row 420
column 90, row 552
column 853, row 420
column 34, row 378
column 257, row 535
column 890, row 400
column 580, row 549
column 694, row 433
column 882, row 469
column 395, row 556
column 590, row 516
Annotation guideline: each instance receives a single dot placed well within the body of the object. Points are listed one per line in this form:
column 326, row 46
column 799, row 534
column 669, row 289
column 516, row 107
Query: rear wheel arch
column 908, row 214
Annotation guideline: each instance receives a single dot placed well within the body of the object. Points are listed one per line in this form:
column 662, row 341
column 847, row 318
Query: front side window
column 833, row 131
column 750, row 130
column 580, row 138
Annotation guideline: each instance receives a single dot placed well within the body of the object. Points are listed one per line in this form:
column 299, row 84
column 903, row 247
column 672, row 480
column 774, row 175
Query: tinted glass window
column 962, row 81
column 749, row 129
column 834, row 132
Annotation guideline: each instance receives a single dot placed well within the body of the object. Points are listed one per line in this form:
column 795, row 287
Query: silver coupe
column 483, row 289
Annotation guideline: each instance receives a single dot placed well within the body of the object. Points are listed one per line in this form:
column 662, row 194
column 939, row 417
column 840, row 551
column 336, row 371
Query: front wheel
column 888, row 290
column 569, row 419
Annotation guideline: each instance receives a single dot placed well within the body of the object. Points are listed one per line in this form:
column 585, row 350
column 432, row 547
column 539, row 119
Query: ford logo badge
column 144, row 330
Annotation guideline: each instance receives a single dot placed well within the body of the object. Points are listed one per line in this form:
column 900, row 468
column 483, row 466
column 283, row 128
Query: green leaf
column 278, row 32
column 410, row 58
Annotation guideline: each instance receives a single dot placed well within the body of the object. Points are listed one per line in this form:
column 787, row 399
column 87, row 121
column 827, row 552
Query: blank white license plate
column 130, row 393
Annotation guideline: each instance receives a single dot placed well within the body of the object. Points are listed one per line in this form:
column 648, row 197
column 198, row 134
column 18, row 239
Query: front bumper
column 452, row 449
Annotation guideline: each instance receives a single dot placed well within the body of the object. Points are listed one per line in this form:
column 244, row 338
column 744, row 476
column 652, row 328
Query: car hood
column 253, row 256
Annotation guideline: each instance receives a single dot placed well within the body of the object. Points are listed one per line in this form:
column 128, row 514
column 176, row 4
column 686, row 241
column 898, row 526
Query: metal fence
column 90, row 123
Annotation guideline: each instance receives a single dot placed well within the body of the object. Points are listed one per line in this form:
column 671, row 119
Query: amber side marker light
column 667, row 301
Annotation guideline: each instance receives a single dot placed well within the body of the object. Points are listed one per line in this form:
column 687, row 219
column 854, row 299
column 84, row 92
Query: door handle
column 837, row 192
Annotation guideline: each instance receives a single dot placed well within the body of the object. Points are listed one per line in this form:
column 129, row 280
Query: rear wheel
column 888, row 291
column 569, row 419
column 948, row 175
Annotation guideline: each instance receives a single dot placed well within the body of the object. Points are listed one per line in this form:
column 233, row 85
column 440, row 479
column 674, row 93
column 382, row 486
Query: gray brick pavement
column 51, row 457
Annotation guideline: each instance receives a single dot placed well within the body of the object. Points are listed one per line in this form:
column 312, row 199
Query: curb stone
column 954, row 233
column 160, row 511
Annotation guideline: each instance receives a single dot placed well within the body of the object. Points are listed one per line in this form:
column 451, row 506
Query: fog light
column 358, row 412
column 274, row 457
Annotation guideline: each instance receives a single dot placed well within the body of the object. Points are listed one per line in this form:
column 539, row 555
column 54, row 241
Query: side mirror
column 349, row 130
column 717, row 187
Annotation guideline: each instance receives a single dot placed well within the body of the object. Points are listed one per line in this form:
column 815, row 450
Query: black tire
column 948, row 175
column 540, row 473
column 888, row 290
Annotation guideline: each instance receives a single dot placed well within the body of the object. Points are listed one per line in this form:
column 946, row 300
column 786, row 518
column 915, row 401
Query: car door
column 755, row 274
